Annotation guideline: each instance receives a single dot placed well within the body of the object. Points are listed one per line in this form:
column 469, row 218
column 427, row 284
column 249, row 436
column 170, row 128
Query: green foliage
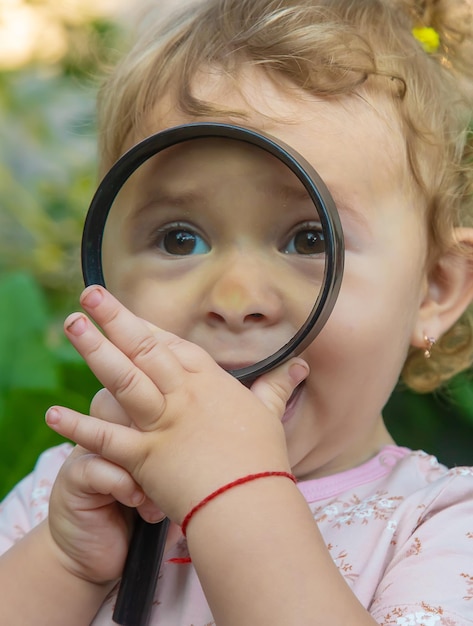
column 440, row 423
column 47, row 179
column 47, row 174
column 38, row 368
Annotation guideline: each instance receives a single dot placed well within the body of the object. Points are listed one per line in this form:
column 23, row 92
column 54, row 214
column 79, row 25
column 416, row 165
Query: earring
column 429, row 344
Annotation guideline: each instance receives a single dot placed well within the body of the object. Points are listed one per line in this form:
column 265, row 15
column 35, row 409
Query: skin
column 246, row 278
column 156, row 454
column 384, row 284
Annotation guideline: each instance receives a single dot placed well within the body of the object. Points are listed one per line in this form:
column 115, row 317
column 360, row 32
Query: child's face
column 238, row 279
column 218, row 240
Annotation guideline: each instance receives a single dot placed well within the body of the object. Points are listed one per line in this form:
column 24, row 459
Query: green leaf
column 26, row 361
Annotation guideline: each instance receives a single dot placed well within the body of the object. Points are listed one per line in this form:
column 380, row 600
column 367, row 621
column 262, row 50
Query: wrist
column 72, row 569
column 227, row 487
column 240, row 511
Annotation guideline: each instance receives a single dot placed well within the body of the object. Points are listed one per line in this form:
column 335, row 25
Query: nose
column 244, row 294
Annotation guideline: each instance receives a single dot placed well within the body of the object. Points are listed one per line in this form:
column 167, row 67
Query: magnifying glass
column 227, row 237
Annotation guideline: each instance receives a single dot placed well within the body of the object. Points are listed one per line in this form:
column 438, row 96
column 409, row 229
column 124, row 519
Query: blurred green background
column 51, row 55
column 47, row 179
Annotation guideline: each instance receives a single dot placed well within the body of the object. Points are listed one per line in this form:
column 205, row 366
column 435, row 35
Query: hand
column 195, row 427
column 87, row 519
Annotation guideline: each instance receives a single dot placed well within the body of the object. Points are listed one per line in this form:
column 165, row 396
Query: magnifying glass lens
column 223, row 236
column 217, row 241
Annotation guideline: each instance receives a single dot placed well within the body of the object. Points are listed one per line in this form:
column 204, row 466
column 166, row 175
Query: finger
column 90, row 474
column 107, row 408
column 275, row 388
column 108, row 478
column 192, row 357
column 138, row 395
column 161, row 354
column 150, row 512
column 117, row 443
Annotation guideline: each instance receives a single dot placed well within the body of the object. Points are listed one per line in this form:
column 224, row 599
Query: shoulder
column 27, row 504
column 421, row 478
column 394, row 470
column 400, row 529
column 389, row 500
column 428, row 577
column 436, row 515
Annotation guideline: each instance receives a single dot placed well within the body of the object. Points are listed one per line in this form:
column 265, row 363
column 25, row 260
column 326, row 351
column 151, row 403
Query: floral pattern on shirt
column 356, row 510
column 340, row 559
column 399, row 528
column 427, row 616
column 469, row 583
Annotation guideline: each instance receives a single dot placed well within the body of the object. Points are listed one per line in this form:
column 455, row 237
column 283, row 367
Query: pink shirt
column 399, row 528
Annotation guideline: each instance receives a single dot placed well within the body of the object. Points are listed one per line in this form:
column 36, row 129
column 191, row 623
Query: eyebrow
column 194, row 197
column 185, row 198
column 179, row 200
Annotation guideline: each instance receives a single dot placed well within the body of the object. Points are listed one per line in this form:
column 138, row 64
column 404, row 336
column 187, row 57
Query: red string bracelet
column 235, row 483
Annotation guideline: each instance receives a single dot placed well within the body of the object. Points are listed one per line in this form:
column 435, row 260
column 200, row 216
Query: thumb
column 150, row 512
column 275, row 388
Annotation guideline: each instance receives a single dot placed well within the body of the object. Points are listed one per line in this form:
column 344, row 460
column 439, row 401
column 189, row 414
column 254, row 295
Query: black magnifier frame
column 138, row 584
column 333, row 236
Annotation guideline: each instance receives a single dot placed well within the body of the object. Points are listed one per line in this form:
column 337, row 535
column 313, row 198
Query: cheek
column 367, row 337
column 165, row 306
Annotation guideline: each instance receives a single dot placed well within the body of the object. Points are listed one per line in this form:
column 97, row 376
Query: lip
column 292, row 403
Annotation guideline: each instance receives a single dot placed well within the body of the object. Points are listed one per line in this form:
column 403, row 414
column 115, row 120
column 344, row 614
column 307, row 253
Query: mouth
column 292, row 402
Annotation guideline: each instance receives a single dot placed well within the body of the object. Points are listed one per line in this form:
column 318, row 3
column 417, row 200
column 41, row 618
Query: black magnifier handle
column 140, row 574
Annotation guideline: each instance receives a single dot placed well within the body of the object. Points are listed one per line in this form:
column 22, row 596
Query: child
column 372, row 533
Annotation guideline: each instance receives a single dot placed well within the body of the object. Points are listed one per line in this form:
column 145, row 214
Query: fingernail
column 298, row 372
column 77, row 325
column 137, row 498
column 156, row 518
column 151, row 515
column 52, row 416
column 92, row 298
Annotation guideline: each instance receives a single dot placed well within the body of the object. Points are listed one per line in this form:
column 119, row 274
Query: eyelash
column 188, row 241
column 316, row 245
column 186, row 245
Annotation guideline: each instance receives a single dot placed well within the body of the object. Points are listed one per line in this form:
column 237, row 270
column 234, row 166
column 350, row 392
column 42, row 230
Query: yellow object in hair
column 428, row 38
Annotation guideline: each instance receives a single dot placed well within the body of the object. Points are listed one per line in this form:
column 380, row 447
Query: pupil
column 179, row 242
column 309, row 242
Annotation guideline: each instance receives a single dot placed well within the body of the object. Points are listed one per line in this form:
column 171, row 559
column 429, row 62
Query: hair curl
column 328, row 48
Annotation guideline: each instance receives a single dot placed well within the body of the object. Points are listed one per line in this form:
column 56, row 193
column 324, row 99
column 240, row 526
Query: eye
column 180, row 240
column 307, row 240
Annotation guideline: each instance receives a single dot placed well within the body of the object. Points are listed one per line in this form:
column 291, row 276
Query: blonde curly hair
column 329, row 48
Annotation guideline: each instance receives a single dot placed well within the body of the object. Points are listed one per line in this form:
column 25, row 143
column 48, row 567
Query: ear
column 449, row 290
